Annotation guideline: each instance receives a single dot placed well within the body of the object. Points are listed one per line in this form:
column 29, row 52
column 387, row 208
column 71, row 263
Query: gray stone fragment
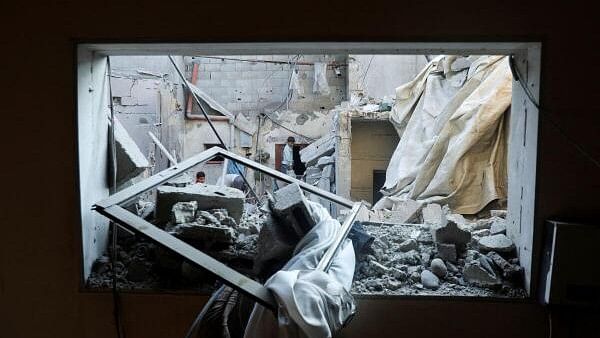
column 322, row 147
column 184, row 212
column 411, row 258
column 291, row 209
column 398, row 274
column 208, row 217
column 378, row 268
column 451, row 233
column 498, row 227
column 407, row 245
column 202, row 232
column 447, row 252
column 475, row 273
column 429, row 280
column 433, row 214
column 481, row 233
column 499, row 243
column 425, row 258
column 438, row 267
column 415, row 276
column 313, row 174
column 451, row 267
column 325, row 161
column 510, row 271
column 207, row 196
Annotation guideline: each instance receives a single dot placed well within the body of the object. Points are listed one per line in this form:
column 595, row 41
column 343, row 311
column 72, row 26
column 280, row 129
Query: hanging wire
column 546, row 114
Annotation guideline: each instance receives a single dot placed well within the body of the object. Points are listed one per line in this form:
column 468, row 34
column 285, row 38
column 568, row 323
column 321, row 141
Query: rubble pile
column 143, row 265
column 444, row 255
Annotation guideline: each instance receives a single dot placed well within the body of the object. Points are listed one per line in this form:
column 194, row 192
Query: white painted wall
column 92, row 123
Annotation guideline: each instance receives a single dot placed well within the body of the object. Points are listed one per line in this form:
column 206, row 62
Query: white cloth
column 288, row 155
column 451, row 124
column 311, row 303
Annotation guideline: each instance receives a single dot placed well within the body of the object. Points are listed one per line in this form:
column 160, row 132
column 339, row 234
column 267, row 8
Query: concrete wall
column 40, row 247
column 372, row 145
column 92, row 118
column 379, row 75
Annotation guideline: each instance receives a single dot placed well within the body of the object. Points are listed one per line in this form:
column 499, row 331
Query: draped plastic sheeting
column 451, row 124
column 312, row 303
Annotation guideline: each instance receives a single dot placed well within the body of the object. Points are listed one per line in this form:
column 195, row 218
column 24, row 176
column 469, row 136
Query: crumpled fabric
column 451, row 124
column 311, row 303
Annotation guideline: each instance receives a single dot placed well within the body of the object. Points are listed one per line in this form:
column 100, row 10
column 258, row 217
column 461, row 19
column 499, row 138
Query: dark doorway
column 378, row 182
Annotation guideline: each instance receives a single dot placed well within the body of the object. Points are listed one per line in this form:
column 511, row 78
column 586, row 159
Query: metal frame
column 110, row 207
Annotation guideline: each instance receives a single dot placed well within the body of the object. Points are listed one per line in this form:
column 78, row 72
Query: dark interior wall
column 40, row 260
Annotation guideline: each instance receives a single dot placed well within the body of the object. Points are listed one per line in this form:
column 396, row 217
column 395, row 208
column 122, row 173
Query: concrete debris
column 509, row 271
column 451, row 233
column 447, row 252
column 324, row 146
column 481, row 233
column 131, row 162
column 498, row 213
column 329, row 172
column 184, row 212
column 438, row 267
column 475, row 273
column 325, row 161
column 429, row 280
column 408, row 245
column 180, row 181
column 499, row 243
column 207, row 196
column 498, row 227
column 433, row 214
column 292, row 209
column 202, row 232
column 398, row 212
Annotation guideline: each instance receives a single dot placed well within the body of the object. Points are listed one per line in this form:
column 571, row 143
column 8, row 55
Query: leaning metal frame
column 110, row 207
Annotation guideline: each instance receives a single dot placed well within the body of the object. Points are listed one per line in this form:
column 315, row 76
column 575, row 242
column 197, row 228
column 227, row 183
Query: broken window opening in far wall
column 358, row 127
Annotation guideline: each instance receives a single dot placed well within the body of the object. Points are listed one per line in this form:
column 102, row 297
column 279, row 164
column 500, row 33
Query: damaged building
column 408, row 135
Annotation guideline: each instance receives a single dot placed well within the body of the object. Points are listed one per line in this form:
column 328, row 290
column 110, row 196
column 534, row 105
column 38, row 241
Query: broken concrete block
column 475, row 273
column 499, row 243
column 324, row 184
column 407, row 245
column 207, row 196
column 329, row 172
column 438, row 268
column 447, row 252
column 481, row 233
column 313, row 174
column 404, row 211
column 498, row 227
column 456, row 218
column 433, row 214
column 451, row 233
column 510, row 271
column 324, row 146
column 325, row 161
column 184, row 212
column 130, row 160
column 292, row 209
column 429, row 280
column 204, row 232
column 180, row 181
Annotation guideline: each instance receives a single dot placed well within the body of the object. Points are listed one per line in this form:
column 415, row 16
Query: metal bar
column 229, row 276
column 157, row 179
column 162, row 148
column 327, row 259
column 288, row 179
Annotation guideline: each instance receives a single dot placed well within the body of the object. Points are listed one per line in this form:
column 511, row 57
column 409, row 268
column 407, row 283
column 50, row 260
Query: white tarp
column 451, row 124
column 311, row 303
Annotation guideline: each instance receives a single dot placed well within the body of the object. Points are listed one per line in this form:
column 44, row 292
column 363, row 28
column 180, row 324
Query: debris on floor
column 444, row 255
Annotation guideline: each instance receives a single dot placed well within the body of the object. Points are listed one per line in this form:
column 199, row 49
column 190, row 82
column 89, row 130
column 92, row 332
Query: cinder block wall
column 257, row 87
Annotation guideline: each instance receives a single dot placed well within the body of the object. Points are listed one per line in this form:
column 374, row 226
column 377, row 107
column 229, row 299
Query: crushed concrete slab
column 324, row 146
column 325, row 161
column 292, row 209
column 207, row 196
column 499, row 243
column 184, row 212
column 203, row 232
column 131, row 162
column 406, row 211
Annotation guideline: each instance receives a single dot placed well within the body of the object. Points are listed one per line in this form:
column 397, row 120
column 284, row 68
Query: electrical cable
column 546, row 114
column 187, row 85
column 114, row 227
